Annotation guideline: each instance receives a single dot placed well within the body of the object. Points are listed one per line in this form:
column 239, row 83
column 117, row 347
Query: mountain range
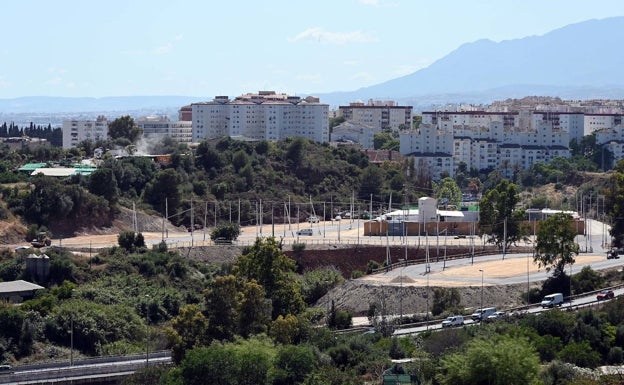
column 578, row 61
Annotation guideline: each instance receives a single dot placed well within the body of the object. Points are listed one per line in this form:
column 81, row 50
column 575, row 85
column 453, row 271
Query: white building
column 483, row 140
column 76, row 131
column 597, row 122
column 262, row 116
column 384, row 115
column 160, row 127
column 612, row 139
column 356, row 133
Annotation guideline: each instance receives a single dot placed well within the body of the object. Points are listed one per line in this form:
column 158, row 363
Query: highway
column 577, row 302
column 90, row 369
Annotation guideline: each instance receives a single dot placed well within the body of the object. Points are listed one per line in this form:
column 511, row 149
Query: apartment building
column 383, row 115
column 160, row 127
column 354, row 132
column 76, row 131
column 262, row 116
column 595, row 122
column 612, row 139
column 484, row 140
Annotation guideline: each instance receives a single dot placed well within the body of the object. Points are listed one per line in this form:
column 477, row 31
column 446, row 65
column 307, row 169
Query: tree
column 270, row 267
column 499, row 217
column 164, row 188
column 187, row 331
column 124, row 128
column 494, row 361
column 555, row 246
column 254, row 310
column 222, row 300
column 292, row 364
column 103, row 183
column 229, row 231
column 447, row 190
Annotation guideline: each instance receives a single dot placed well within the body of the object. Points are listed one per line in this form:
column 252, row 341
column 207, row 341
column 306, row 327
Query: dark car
column 613, row 254
column 605, row 294
column 222, row 241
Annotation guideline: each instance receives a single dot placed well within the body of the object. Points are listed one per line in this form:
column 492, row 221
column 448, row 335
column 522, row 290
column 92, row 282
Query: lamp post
column 147, row 331
column 71, row 334
column 71, row 341
column 481, row 318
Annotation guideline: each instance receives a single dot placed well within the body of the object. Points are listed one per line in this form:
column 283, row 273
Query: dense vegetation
column 253, row 322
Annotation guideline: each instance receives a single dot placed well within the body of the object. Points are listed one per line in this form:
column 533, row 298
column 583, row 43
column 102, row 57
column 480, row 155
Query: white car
column 455, row 320
column 313, row 219
column 496, row 316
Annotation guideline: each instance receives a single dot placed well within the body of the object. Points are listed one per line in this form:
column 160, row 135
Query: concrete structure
column 38, row 266
column 76, row 131
column 383, row 115
column 161, row 127
column 262, row 116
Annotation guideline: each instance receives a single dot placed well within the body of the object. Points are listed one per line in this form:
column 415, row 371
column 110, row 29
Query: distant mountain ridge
column 581, row 56
column 51, row 104
column 578, row 61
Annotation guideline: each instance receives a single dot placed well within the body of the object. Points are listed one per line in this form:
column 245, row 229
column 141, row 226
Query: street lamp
column 147, row 330
column 481, row 318
column 71, row 334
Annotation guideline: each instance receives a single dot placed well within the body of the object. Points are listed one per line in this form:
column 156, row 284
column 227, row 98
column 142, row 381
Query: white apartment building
column 76, row 131
column 355, row 133
column 484, row 141
column 572, row 122
column 262, row 116
column 597, row 122
column 613, row 140
column 383, row 115
column 160, row 127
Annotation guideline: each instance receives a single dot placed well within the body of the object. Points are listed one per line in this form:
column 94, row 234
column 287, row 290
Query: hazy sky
column 229, row 47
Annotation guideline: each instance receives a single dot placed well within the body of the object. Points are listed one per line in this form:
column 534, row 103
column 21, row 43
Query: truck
column 552, row 300
column 42, row 240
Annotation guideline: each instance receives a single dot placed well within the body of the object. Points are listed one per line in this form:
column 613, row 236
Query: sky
column 78, row 48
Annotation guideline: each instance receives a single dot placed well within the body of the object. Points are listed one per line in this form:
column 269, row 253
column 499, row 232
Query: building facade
column 262, row 116
column 76, row 131
column 161, row 127
column 383, row 115
column 507, row 141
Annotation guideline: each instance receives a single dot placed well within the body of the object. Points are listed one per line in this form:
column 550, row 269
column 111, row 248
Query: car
column 5, row 368
column 313, row 219
column 305, row 232
column 613, row 254
column 460, row 237
column 482, row 314
column 454, row 320
column 497, row 315
column 552, row 300
column 21, row 248
column 338, row 217
column 605, row 294
column 222, row 241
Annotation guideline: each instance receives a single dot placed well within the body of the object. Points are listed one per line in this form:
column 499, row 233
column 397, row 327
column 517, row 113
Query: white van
column 482, row 314
column 305, row 232
column 552, row 300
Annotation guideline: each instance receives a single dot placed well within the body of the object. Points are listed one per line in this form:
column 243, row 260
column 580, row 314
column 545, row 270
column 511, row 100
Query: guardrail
column 98, row 367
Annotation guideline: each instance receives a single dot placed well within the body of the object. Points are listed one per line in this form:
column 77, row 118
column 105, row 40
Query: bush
column 615, row 356
column 229, row 231
column 580, row 354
